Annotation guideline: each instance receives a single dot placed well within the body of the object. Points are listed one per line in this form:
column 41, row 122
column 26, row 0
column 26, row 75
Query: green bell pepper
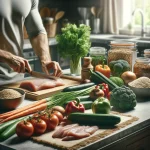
column 101, row 105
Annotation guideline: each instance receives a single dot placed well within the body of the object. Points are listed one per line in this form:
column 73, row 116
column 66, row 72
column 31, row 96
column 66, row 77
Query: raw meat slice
column 59, row 132
column 91, row 129
column 77, row 133
column 40, row 84
column 75, row 129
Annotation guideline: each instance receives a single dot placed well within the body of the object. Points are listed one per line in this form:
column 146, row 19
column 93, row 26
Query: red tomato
column 31, row 120
column 39, row 126
column 52, row 122
column 59, row 115
column 24, row 129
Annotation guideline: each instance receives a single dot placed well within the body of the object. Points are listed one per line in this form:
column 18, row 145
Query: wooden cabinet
column 139, row 140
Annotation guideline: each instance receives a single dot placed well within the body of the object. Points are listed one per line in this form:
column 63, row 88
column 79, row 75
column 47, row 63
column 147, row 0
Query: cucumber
column 87, row 104
column 98, row 78
column 3, row 126
column 10, row 130
column 78, row 87
column 94, row 119
column 84, row 98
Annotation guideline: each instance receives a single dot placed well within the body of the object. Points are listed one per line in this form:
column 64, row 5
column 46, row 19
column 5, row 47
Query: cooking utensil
column 45, row 12
column 53, row 12
column 94, row 11
column 59, row 15
column 84, row 12
column 43, row 75
column 99, row 10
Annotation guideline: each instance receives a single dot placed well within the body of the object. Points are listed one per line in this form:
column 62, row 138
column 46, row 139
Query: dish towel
column 7, row 75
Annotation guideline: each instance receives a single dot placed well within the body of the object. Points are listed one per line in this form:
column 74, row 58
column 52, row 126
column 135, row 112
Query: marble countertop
column 141, row 111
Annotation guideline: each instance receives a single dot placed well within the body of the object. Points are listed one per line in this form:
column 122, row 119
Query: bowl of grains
column 141, row 88
column 11, row 98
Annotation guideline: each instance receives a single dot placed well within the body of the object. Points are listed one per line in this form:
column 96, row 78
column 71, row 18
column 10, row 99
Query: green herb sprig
column 74, row 42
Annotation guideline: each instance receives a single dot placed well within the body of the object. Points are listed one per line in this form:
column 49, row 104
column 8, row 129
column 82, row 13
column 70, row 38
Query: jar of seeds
column 123, row 50
column 98, row 55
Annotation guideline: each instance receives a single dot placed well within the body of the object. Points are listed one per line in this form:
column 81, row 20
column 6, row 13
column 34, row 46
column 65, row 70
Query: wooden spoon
column 59, row 15
column 93, row 11
column 45, row 12
column 99, row 12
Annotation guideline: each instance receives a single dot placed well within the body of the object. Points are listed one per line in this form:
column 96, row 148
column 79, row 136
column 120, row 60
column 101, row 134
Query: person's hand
column 52, row 65
column 18, row 64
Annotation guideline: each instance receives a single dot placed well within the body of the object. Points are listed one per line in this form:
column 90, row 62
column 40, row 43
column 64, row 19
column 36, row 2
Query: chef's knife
column 43, row 75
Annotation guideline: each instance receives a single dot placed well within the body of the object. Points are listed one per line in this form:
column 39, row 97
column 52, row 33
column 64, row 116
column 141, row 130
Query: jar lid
column 121, row 43
column 147, row 51
column 142, row 60
column 97, row 50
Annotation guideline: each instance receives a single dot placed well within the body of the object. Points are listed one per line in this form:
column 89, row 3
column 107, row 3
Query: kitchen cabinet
column 139, row 140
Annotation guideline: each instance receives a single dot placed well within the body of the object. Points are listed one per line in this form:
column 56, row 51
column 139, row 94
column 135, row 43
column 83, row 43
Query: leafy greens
column 74, row 41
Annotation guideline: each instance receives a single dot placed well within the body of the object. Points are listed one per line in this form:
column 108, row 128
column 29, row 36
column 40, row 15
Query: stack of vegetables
column 9, row 120
column 121, row 96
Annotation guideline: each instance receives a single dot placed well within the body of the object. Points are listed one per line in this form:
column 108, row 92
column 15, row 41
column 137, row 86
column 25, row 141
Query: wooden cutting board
column 44, row 93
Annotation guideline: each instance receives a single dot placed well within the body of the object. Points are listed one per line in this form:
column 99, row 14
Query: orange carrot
column 13, row 112
column 26, row 112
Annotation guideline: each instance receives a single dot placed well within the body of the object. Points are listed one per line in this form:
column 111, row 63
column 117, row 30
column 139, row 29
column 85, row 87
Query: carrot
column 13, row 112
column 26, row 112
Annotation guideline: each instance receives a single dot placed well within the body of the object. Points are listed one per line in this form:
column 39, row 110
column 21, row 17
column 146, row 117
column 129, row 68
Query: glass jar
column 123, row 50
column 98, row 55
column 142, row 67
column 147, row 53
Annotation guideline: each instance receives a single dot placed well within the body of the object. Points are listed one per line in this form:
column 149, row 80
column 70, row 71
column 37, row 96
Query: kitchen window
column 125, row 10
column 145, row 6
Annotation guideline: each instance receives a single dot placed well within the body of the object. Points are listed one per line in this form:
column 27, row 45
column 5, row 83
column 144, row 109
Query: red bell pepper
column 105, row 89
column 74, row 106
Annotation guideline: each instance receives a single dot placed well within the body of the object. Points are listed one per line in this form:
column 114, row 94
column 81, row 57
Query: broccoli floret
column 118, row 67
column 123, row 98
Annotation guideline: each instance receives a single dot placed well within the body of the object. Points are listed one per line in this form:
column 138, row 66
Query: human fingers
column 15, row 64
column 44, row 68
column 59, row 71
column 27, row 66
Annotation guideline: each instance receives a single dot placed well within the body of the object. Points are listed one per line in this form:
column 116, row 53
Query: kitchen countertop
column 102, row 38
column 141, row 111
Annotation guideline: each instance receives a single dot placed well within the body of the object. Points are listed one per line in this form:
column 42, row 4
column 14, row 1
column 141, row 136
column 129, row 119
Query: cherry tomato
column 31, row 120
column 24, row 129
column 52, row 122
column 39, row 126
column 59, row 115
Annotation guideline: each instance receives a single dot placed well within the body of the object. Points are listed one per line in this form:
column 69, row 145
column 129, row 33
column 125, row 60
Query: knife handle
column 71, row 78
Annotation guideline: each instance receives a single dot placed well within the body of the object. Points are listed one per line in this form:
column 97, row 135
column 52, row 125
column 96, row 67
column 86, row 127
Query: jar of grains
column 123, row 50
column 142, row 67
column 98, row 55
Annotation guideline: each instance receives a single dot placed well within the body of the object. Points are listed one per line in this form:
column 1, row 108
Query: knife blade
column 41, row 75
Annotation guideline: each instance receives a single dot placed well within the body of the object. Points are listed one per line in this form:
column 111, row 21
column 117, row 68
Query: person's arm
column 39, row 41
column 17, row 63
column 41, row 47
